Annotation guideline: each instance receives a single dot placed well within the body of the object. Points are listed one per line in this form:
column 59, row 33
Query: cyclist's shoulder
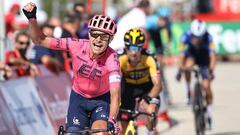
column 147, row 52
column 185, row 36
column 186, row 33
column 148, row 56
column 208, row 36
column 123, row 58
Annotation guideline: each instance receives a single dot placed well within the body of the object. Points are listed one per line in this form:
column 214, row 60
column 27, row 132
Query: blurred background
column 20, row 114
column 222, row 17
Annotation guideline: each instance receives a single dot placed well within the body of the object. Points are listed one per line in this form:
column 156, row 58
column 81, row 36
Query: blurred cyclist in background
column 159, row 28
column 95, row 96
column 157, row 24
column 141, row 77
column 198, row 49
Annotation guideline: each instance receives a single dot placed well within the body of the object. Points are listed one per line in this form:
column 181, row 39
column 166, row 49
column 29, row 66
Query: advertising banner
column 26, row 107
column 55, row 91
column 226, row 36
column 7, row 125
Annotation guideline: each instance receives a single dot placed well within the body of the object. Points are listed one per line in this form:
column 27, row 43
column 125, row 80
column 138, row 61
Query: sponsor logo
column 76, row 121
column 85, row 71
column 103, row 116
column 99, row 109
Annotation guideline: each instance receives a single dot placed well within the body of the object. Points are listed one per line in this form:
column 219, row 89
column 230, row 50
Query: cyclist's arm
column 212, row 57
column 37, row 35
column 156, row 89
column 182, row 48
column 155, row 77
column 66, row 44
column 114, row 80
column 115, row 102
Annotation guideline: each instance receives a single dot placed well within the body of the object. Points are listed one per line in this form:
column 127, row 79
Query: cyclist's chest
column 201, row 49
column 136, row 72
column 92, row 69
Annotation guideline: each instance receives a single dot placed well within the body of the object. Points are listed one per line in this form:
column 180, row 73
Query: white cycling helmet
column 198, row 27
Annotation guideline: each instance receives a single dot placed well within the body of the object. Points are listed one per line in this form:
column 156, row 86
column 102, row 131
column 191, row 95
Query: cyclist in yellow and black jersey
column 141, row 72
column 140, row 76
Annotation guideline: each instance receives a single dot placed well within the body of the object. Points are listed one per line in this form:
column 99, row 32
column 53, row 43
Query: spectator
column 52, row 59
column 79, row 8
column 54, row 21
column 70, row 27
column 136, row 17
column 5, row 71
column 10, row 18
column 17, row 57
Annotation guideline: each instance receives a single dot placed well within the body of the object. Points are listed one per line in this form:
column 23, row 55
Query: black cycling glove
column 31, row 14
column 147, row 99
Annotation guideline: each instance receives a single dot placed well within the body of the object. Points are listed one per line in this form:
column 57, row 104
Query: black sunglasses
column 103, row 36
column 24, row 43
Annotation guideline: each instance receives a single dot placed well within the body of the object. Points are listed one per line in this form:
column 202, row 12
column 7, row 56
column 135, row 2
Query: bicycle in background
column 199, row 104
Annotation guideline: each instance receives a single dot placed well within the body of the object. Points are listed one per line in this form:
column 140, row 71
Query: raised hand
column 30, row 10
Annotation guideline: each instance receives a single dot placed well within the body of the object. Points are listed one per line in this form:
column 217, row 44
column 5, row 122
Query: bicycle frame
column 86, row 131
column 198, row 105
column 132, row 126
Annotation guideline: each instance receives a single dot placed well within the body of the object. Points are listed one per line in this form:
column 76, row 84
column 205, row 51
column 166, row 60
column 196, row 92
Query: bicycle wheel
column 199, row 111
column 200, row 124
column 130, row 133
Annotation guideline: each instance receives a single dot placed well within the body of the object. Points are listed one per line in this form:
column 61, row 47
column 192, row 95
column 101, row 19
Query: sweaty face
column 98, row 41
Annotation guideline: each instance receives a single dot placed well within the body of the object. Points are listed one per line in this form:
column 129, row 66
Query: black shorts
column 82, row 112
column 129, row 94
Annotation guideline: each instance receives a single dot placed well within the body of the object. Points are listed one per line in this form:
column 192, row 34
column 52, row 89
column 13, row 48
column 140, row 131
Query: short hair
column 21, row 33
column 143, row 3
column 71, row 18
column 78, row 4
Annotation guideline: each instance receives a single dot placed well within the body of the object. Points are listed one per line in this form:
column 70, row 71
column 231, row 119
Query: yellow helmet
column 134, row 36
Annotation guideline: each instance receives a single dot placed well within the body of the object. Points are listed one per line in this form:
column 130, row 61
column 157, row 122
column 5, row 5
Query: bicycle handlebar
column 136, row 113
column 194, row 69
column 86, row 131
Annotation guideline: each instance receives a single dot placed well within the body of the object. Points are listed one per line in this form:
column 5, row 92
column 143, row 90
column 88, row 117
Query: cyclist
column 140, row 76
column 198, row 49
column 95, row 95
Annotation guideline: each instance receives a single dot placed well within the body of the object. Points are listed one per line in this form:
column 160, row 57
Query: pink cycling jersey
column 91, row 77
